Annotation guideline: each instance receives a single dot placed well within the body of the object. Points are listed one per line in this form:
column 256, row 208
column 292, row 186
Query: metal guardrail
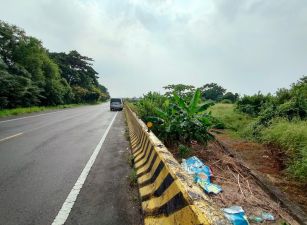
column 167, row 192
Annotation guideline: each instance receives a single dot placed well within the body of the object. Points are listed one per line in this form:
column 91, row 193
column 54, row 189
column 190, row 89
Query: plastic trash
column 194, row 166
column 267, row 216
column 210, row 188
column 202, row 174
column 236, row 215
column 255, row 219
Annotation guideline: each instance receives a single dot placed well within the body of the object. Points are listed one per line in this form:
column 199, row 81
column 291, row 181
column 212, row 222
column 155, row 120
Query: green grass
column 133, row 178
column 237, row 123
column 19, row 111
column 292, row 138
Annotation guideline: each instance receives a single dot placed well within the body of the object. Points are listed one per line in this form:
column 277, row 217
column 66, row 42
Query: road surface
column 45, row 157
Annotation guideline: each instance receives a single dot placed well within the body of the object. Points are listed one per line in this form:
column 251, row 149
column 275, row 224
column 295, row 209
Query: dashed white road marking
column 64, row 212
column 12, row 136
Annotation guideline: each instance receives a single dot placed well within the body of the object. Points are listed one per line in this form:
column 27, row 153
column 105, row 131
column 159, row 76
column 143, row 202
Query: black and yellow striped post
column 168, row 194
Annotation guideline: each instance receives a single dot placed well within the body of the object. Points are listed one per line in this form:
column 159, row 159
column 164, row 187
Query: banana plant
column 193, row 107
column 181, row 121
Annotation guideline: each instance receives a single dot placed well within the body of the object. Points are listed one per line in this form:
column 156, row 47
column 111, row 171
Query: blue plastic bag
column 202, row 174
column 236, row 215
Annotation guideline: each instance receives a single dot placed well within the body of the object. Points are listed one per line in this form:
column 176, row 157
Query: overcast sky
column 142, row 45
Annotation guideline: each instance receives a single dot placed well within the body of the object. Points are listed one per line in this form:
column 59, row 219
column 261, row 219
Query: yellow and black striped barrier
column 168, row 193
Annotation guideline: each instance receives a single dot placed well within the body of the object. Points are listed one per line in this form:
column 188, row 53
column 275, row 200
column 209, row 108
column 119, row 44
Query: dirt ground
column 239, row 187
column 269, row 161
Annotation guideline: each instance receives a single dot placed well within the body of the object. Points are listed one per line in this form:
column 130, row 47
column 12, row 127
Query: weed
column 235, row 121
column 291, row 136
column 130, row 160
column 183, row 151
column 133, row 178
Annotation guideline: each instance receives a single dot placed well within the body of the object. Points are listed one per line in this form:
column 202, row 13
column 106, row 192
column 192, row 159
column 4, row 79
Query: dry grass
column 239, row 187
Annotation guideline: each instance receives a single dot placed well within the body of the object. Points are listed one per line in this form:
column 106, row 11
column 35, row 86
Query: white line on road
column 7, row 138
column 43, row 114
column 63, row 214
column 25, row 117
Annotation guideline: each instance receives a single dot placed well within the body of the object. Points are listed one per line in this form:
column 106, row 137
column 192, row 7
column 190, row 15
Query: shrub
column 183, row 151
column 226, row 101
column 253, row 105
column 148, row 104
column 231, row 97
column 179, row 122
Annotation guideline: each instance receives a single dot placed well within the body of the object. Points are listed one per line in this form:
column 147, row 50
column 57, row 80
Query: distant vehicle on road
column 116, row 104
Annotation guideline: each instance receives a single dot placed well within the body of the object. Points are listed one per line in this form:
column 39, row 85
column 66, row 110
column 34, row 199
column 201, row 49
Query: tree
column 212, row 91
column 184, row 91
column 29, row 75
column 10, row 36
column 79, row 73
column 104, row 92
column 76, row 69
column 16, row 91
column 231, row 96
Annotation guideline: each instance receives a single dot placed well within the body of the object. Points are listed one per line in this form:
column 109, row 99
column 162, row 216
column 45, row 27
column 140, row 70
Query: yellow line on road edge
column 7, row 138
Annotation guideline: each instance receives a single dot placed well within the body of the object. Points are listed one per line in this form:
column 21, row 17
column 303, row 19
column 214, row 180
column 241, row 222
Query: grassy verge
column 19, row 111
column 290, row 136
column 237, row 123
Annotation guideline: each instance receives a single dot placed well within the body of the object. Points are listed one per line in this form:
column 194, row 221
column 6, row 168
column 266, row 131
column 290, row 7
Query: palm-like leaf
column 180, row 101
column 154, row 119
column 161, row 114
column 204, row 106
column 194, row 102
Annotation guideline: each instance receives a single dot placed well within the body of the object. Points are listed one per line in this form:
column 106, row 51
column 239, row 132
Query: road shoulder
column 106, row 196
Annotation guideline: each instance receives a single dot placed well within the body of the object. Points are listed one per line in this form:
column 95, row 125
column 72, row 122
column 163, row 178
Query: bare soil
column 269, row 161
column 239, row 187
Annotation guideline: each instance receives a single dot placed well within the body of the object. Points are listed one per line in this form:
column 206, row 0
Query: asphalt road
column 42, row 157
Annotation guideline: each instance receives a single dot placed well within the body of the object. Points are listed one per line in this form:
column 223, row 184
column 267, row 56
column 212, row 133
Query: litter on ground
column 235, row 185
column 202, row 174
column 236, row 215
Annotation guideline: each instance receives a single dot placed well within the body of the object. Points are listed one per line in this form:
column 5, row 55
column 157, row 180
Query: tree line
column 210, row 91
column 30, row 75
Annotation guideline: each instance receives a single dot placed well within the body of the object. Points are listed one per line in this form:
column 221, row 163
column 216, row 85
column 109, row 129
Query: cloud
column 143, row 45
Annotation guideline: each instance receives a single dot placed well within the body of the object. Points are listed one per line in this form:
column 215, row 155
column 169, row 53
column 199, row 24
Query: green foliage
column 17, row 90
column 183, row 151
column 253, row 104
column 213, row 91
column 130, row 160
column 233, row 120
column 30, row 76
column 229, row 97
column 76, row 69
column 291, row 136
column 148, row 104
column 19, row 111
column 226, row 101
column 179, row 121
column 184, row 91
column 289, row 103
column 133, row 178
